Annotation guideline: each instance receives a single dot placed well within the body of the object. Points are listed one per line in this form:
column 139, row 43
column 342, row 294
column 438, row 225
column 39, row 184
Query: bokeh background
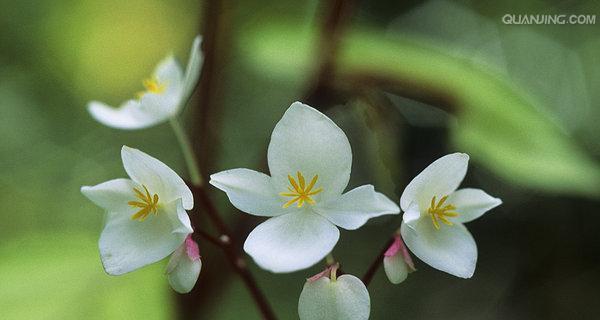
column 408, row 81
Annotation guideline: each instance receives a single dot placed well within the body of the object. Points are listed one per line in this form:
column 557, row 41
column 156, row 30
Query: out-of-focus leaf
column 497, row 123
column 589, row 56
column 455, row 30
column 539, row 63
column 60, row 276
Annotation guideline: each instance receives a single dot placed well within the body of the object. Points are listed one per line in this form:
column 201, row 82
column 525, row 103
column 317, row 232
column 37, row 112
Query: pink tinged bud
column 399, row 247
column 191, row 248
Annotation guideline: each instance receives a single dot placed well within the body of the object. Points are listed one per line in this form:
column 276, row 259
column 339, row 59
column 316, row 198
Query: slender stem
column 333, row 273
column 368, row 276
column 212, row 212
column 204, row 235
column 334, row 23
column 188, row 153
column 216, row 43
column 236, row 260
column 329, row 259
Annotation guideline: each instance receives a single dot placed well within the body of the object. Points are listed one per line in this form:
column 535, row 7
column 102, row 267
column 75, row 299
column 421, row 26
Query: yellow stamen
column 437, row 212
column 148, row 204
column 300, row 192
column 152, row 85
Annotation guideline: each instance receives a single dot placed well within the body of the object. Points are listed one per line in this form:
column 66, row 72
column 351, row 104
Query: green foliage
column 497, row 122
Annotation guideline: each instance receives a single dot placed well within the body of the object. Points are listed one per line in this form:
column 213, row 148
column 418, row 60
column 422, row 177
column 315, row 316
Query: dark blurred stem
column 337, row 13
column 227, row 244
column 216, row 17
column 215, row 36
column 188, row 152
column 206, row 236
column 368, row 276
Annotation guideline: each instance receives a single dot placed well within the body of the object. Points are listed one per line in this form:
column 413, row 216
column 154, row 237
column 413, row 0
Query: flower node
column 300, row 192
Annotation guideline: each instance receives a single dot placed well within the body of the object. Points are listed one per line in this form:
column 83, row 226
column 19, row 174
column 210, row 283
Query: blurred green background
column 411, row 81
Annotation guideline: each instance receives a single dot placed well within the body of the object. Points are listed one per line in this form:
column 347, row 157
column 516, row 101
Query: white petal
column 291, row 242
column 306, row 140
column 250, row 191
column 472, row 203
column 192, row 72
column 439, row 179
column 165, row 104
column 126, row 244
column 162, row 105
column 395, row 268
column 355, row 207
column 156, row 176
column 183, row 270
column 412, row 214
column 345, row 298
column 111, row 195
column 169, row 72
column 128, row 116
column 451, row 248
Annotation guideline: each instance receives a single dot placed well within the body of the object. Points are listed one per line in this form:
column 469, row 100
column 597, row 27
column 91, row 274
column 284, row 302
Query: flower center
column 147, row 204
column 440, row 212
column 152, row 85
column 300, row 192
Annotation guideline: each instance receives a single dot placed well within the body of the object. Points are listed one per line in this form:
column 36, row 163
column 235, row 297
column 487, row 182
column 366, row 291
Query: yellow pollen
column 440, row 212
column 300, row 192
column 147, row 205
column 152, row 85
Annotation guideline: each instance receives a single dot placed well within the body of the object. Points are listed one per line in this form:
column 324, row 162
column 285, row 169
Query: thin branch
column 215, row 35
column 368, row 276
column 237, row 261
column 216, row 17
column 332, row 29
column 212, row 212
column 206, row 236
column 188, row 154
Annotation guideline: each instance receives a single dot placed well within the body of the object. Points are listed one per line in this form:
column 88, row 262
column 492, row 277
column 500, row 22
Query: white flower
column 434, row 214
column 167, row 91
column 184, row 266
column 309, row 159
column 146, row 218
column 332, row 298
column 397, row 262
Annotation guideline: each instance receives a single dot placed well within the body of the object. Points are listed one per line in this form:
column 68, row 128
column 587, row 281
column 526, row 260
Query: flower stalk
column 236, row 260
column 188, row 153
column 376, row 264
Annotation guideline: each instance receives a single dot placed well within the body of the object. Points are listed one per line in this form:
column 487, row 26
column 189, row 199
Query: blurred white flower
column 309, row 159
column 397, row 262
column 167, row 91
column 435, row 211
column 328, row 297
column 184, row 266
column 146, row 215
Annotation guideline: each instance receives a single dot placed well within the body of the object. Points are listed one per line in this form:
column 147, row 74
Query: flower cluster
column 309, row 159
column 304, row 198
column 146, row 217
